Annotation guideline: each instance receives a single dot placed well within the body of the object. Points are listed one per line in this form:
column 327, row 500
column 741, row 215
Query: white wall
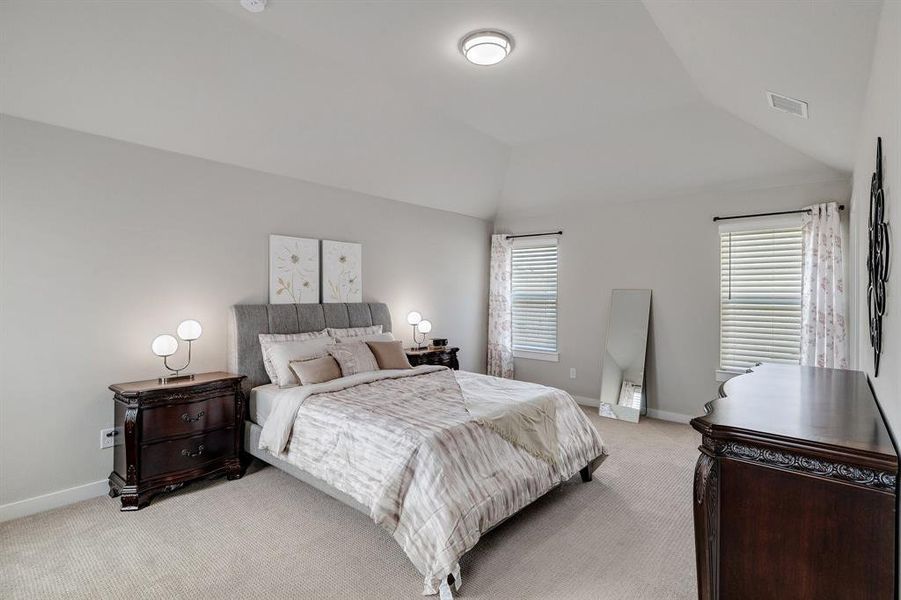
column 669, row 246
column 105, row 244
column 881, row 117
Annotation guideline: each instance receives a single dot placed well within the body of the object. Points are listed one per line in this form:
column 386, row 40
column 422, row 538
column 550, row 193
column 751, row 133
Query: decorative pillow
column 282, row 354
column 353, row 358
column 353, row 332
column 389, row 355
column 373, row 337
column 267, row 339
column 317, row 370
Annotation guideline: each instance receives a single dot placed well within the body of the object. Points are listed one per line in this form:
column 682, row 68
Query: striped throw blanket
column 410, row 446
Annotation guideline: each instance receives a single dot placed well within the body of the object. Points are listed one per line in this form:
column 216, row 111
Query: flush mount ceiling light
column 486, row 47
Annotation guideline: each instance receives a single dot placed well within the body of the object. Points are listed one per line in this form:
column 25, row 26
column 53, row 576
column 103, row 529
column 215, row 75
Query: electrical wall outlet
column 572, row 373
column 110, row 437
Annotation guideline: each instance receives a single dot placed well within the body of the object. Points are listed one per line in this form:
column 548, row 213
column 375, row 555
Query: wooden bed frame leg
column 585, row 472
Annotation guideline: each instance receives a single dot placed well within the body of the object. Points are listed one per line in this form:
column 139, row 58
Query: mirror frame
column 615, row 411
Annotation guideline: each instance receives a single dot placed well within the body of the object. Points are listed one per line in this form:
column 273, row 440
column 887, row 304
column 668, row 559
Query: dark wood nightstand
column 446, row 357
column 175, row 433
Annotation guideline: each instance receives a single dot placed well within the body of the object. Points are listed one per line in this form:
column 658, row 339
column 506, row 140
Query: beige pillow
column 267, row 339
column 353, row 358
column 352, row 332
column 389, row 355
column 281, row 354
column 317, row 370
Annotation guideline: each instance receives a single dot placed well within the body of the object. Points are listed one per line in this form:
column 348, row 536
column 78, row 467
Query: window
column 534, row 297
column 760, row 295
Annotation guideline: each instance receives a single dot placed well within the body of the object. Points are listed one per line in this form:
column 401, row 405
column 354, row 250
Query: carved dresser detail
column 175, row 433
column 446, row 357
column 795, row 489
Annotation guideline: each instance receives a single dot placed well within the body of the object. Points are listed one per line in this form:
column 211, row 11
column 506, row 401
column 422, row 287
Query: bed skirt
column 252, row 446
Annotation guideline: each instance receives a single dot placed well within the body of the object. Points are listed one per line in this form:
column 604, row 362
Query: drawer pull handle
column 189, row 419
column 190, row 454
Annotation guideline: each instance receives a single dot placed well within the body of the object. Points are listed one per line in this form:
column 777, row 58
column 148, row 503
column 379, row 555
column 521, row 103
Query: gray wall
column 669, row 246
column 881, row 117
column 105, row 244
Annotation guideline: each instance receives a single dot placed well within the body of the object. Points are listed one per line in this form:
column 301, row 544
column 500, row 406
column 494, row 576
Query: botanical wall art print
column 342, row 272
column 293, row 270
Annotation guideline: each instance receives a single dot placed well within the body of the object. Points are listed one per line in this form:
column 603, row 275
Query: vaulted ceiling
column 598, row 102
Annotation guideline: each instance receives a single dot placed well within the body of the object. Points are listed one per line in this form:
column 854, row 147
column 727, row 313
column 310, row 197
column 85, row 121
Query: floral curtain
column 500, row 317
column 824, row 336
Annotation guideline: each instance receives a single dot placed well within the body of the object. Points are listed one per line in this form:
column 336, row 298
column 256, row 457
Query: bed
column 435, row 457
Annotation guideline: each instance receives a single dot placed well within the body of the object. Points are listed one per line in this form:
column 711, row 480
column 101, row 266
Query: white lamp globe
column 164, row 345
column 485, row 48
column 414, row 317
column 424, row 326
column 189, row 330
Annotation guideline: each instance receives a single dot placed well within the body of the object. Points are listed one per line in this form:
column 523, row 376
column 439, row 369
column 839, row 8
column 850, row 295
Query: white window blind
column 534, row 295
column 760, row 297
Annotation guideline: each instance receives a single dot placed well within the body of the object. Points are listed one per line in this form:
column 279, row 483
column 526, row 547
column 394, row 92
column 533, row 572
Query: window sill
column 532, row 355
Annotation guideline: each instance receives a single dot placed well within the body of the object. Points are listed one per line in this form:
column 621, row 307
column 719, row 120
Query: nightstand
column 446, row 357
column 175, row 433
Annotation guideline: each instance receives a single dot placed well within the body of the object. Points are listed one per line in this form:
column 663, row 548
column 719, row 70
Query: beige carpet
column 625, row 535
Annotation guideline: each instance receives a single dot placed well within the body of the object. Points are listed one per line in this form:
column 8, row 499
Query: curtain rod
column 770, row 214
column 510, row 237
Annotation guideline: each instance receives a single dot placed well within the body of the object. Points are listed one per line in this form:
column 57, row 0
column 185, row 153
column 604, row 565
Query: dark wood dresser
column 175, row 433
column 446, row 357
column 795, row 489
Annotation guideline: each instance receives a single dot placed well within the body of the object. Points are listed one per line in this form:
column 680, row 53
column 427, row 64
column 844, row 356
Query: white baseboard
column 30, row 506
column 665, row 415
column 586, row 401
column 653, row 413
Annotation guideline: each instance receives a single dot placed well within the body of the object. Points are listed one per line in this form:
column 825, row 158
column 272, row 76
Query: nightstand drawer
column 445, row 360
column 445, row 357
column 172, row 456
column 181, row 419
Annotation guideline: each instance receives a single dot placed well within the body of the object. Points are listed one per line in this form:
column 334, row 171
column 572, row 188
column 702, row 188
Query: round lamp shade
column 164, row 345
column 486, row 48
column 424, row 326
column 413, row 318
column 189, row 330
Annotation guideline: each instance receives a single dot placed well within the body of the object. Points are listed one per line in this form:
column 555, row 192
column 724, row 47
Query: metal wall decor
column 877, row 259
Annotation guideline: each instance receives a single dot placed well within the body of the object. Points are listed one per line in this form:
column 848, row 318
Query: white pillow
column 353, row 358
column 353, row 332
column 267, row 339
column 283, row 353
column 373, row 337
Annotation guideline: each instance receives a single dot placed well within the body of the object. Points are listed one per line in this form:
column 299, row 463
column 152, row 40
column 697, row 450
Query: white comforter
column 409, row 445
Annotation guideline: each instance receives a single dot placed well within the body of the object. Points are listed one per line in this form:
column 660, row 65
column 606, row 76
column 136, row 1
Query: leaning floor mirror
column 622, row 374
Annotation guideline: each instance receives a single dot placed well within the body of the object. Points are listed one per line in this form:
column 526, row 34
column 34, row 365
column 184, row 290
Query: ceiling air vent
column 786, row 104
column 254, row 6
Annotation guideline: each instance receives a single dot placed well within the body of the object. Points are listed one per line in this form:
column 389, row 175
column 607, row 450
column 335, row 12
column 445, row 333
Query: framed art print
column 342, row 271
column 293, row 270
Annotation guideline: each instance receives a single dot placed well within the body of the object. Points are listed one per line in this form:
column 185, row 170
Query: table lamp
column 166, row 345
column 420, row 326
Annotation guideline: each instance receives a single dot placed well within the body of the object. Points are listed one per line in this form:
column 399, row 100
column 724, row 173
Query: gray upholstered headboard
column 248, row 321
